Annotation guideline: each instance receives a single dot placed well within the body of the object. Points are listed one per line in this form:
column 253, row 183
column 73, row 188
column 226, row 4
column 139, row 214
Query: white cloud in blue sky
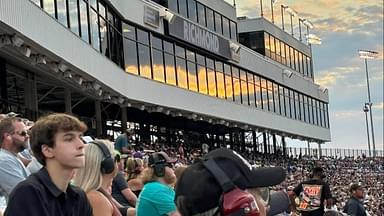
column 344, row 26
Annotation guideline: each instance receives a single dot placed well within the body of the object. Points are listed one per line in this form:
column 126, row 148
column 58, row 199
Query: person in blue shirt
column 123, row 142
column 157, row 196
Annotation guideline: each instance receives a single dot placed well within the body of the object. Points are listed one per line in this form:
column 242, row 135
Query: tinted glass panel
column 202, row 79
column 220, row 84
column 201, row 14
column 49, row 7
column 218, row 27
column 103, row 36
column 226, row 31
column 73, row 16
column 244, row 87
column 101, row 9
column 236, row 85
column 233, row 30
column 129, row 31
column 168, row 47
column 251, row 89
column 264, row 94
column 94, row 29
column 192, row 77
column 158, row 65
column 211, row 82
column 180, row 51
column 192, row 13
column 181, row 73
column 157, row 43
column 259, row 101
column 210, row 19
column 190, row 56
column 93, row 4
column 170, row 72
column 37, row 2
column 228, row 82
column 84, row 21
column 144, row 61
column 172, row 5
column 142, row 36
column 183, row 7
column 62, row 12
column 130, row 55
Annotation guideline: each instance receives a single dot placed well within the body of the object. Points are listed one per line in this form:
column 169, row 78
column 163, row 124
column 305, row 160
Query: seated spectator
column 96, row 177
column 224, row 183
column 56, row 143
column 157, row 197
column 14, row 138
column 134, row 168
column 121, row 192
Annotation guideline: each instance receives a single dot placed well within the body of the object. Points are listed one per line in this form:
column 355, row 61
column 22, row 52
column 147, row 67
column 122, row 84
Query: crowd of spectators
column 132, row 157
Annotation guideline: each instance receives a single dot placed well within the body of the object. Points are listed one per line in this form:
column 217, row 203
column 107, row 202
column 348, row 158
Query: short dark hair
column 45, row 129
column 6, row 126
column 354, row 187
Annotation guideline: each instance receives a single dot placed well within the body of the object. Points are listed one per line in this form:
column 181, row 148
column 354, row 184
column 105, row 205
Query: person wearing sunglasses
column 157, row 196
column 13, row 139
column 223, row 183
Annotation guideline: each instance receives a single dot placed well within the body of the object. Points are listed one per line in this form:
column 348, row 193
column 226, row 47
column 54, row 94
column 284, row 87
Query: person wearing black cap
column 224, row 183
column 157, row 196
column 354, row 205
column 311, row 194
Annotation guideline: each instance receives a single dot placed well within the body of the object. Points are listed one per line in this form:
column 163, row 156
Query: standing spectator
column 123, row 142
column 13, row 139
column 56, row 143
column 157, row 197
column 354, row 206
column 312, row 193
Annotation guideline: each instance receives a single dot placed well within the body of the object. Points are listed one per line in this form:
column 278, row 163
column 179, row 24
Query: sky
column 345, row 26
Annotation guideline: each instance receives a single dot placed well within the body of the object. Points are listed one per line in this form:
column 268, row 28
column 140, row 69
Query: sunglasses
column 21, row 133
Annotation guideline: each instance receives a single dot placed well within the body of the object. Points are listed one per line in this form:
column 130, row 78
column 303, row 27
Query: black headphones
column 107, row 164
column 158, row 163
column 233, row 200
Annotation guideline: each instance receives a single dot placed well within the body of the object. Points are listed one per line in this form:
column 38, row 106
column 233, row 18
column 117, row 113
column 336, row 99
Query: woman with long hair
column 96, row 177
column 134, row 167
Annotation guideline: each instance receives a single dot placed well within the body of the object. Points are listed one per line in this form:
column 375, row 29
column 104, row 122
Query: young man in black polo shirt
column 56, row 143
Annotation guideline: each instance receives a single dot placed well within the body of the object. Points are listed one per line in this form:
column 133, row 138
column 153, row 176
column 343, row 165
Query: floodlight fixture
column 121, row 100
column 291, row 11
column 288, row 73
column 67, row 74
column 323, row 89
column 368, row 54
column 96, row 86
column 167, row 15
column 62, row 67
column 234, row 46
column 313, row 39
column 308, row 23
column 37, row 59
column 25, row 50
column 78, row 79
column 17, row 41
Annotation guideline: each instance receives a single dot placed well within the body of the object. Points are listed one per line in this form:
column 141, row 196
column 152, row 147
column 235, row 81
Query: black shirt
column 325, row 194
column 39, row 196
column 119, row 184
column 354, row 207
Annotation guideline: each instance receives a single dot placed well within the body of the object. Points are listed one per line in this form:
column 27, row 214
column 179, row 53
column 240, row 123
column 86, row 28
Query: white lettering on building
column 201, row 37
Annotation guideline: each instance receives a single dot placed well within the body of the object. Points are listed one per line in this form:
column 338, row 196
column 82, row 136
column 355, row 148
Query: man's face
column 359, row 193
column 68, row 150
column 169, row 177
column 20, row 136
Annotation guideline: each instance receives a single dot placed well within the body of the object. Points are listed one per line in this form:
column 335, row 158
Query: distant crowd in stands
column 123, row 178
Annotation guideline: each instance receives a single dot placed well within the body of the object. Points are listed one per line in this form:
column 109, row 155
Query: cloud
column 379, row 106
column 330, row 77
column 346, row 114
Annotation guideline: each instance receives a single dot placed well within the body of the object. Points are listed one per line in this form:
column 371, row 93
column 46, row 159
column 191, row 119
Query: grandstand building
column 163, row 68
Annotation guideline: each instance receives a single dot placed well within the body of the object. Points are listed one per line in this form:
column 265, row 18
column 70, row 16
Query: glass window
column 233, row 30
column 62, row 12
column 201, row 14
column 157, row 65
column 278, row 53
column 282, row 101
column 192, row 77
column 264, row 93
column 297, row 60
column 226, row 31
column 49, row 7
column 228, row 82
column 73, row 16
column 301, row 68
column 181, row 71
column 220, row 79
column 276, row 98
column 180, row 51
column 202, row 79
column 272, row 46
column 129, row 31
column 157, row 43
column 251, row 90
column 144, row 61
column 310, row 110
column 130, row 55
column 282, row 50
column 192, row 13
column 84, row 21
column 236, row 85
column 37, row 2
column 259, row 100
column 305, row 103
column 168, row 47
column 288, row 56
column 244, row 87
column 94, row 27
column 170, row 72
column 292, row 103
column 287, row 103
column 101, row 9
column 142, row 36
column 270, row 96
column 210, row 19
column 292, row 53
column 267, row 45
column 190, row 55
column 309, row 66
column 218, row 27
column 103, row 37
column 297, row 106
column 183, row 8
column 211, row 80
column 93, row 4
column 172, row 5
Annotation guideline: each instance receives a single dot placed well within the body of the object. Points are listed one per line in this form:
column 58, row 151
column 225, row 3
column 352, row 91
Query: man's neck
column 9, row 148
column 59, row 176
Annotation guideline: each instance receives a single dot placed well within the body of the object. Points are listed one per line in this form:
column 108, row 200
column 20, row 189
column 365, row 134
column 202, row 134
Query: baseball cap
column 159, row 158
column 12, row 114
column 200, row 190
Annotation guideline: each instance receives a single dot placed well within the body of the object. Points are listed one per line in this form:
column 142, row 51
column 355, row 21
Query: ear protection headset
column 107, row 164
column 233, row 200
column 158, row 163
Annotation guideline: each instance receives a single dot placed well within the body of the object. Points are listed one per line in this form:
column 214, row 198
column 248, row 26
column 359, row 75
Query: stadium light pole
column 369, row 54
column 366, row 110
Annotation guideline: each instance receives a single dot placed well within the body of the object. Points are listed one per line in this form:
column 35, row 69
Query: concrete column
column 320, row 151
column 99, row 125
column 68, row 101
column 284, row 146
